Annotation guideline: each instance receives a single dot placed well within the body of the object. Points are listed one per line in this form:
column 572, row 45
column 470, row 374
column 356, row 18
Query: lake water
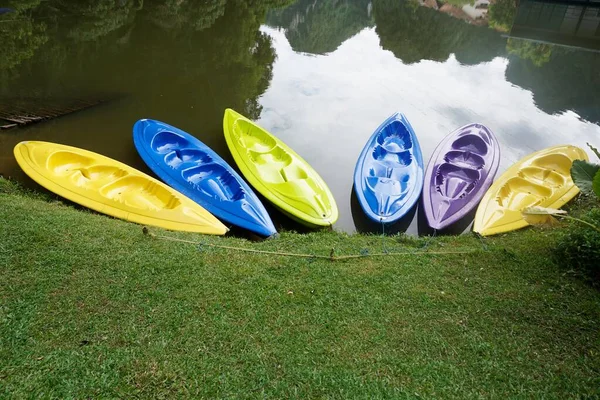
column 321, row 75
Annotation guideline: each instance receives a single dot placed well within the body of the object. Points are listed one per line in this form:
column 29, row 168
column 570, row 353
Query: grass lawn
column 92, row 308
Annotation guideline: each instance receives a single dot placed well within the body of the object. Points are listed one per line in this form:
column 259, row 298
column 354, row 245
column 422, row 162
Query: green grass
column 92, row 308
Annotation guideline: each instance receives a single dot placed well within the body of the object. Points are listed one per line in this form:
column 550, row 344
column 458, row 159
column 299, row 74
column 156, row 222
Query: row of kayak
column 390, row 177
column 202, row 190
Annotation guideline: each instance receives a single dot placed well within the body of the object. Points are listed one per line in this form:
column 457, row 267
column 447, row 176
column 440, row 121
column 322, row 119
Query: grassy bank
column 92, row 308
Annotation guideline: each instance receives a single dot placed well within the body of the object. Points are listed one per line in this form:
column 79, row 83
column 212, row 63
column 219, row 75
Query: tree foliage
column 414, row 34
column 210, row 50
column 320, row 27
column 21, row 6
column 538, row 53
column 177, row 14
column 20, row 36
column 569, row 81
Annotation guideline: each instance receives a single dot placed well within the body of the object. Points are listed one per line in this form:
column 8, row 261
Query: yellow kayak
column 540, row 179
column 278, row 173
column 113, row 188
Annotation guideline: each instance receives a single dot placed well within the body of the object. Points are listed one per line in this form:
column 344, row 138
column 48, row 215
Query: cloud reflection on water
column 326, row 106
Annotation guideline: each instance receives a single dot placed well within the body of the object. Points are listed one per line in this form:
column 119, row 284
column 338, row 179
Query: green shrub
column 578, row 248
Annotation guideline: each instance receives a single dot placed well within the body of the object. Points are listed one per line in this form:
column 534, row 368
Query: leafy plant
column 578, row 247
column 587, row 175
column 546, row 216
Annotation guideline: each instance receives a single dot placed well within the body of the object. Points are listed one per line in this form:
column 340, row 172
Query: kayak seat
column 454, row 182
column 471, row 144
column 293, row 172
column 559, row 163
column 394, row 138
column 543, row 176
column 464, row 159
column 270, row 165
column 80, row 171
column 139, row 192
column 277, row 158
column 380, row 170
column 518, row 193
column 165, row 141
column 389, row 186
column 214, row 180
column 96, row 176
column 64, row 162
column 392, row 159
column 251, row 138
column 177, row 158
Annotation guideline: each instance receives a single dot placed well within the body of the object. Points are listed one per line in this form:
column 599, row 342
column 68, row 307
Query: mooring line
column 383, row 249
column 330, row 257
column 480, row 237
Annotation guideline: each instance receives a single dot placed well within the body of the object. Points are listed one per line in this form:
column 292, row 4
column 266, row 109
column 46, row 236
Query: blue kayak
column 194, row 169
column 388, row 178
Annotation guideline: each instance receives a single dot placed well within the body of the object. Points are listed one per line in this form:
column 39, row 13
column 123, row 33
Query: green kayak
column 278, row 173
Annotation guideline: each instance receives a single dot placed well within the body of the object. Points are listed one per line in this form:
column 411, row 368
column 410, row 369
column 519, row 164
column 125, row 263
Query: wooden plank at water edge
column 27, row 110
column 4, row 124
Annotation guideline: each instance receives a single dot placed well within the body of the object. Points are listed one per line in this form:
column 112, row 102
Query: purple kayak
column 460, row 170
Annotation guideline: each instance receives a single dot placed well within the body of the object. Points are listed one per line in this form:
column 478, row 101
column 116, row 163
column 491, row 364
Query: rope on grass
column 330, row 257
column 481, row 239
column 429, row 239
column 383, row 249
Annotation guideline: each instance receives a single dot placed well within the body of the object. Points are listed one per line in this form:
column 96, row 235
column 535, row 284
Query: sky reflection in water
column 338, row 99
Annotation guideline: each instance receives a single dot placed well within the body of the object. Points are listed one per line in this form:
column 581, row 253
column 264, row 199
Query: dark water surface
column 321, row 75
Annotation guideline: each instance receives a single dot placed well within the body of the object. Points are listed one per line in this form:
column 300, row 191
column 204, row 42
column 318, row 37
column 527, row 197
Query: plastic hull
column 540, row 179
column 388, row 177
column 194, row 169
column 461, row 169
column 113, row 188
column 278, row 173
